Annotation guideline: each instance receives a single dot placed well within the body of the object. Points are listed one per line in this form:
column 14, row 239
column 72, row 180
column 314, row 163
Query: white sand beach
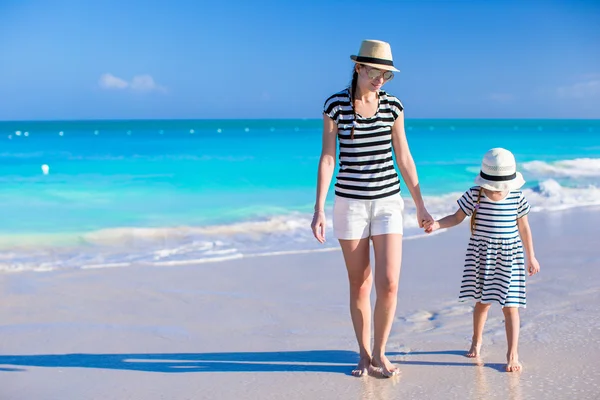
column 278, row 327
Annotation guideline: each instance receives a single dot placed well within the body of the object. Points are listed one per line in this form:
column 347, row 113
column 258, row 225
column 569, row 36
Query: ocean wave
column 549, row 195
column 279, row 234
column 131, row 236
column 577, row 168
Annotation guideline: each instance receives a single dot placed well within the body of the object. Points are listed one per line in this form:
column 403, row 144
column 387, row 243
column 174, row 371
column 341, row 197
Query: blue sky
column 280, row 59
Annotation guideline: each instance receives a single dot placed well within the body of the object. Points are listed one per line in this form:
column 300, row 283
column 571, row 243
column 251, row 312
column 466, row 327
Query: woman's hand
column 423, row 217
column 318, row 225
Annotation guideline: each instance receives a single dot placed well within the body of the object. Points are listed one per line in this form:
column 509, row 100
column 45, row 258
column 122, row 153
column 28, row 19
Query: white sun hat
column 376, row 54
column 499, row 171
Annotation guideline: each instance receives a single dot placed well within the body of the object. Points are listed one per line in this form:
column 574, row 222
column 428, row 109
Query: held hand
column 423, row 216
column 533, row 266
column 431, row 226
column 318, row 226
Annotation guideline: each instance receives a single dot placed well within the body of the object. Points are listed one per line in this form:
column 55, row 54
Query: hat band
column 373, row 60
column 497, row 178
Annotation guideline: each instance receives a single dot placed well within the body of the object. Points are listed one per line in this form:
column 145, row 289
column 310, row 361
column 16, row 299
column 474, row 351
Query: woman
column 368, row 122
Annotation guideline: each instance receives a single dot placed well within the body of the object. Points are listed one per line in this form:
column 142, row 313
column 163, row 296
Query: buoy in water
column 45, row 169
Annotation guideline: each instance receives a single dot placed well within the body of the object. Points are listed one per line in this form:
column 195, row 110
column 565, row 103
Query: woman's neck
column 366, row 96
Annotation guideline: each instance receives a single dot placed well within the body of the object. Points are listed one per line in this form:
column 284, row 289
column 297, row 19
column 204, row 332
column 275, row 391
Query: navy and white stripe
column 495, row 265
column 367, row 169
column 495, row 219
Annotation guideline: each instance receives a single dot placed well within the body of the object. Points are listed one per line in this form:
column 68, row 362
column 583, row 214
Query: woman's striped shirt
column 495, row 219
column 366, row 165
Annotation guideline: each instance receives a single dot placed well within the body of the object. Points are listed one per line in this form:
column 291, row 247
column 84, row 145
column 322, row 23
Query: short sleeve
column 331, row 108
column 524, row 207
column 395, row 105
column 465, row 202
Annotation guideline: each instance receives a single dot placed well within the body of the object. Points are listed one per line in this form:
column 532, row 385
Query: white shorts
column 358, row 219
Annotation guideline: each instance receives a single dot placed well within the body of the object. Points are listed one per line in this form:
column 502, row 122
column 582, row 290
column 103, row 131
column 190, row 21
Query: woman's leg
column 511, row 323
column 356, row 256
column 479, row 317
column 388, row 257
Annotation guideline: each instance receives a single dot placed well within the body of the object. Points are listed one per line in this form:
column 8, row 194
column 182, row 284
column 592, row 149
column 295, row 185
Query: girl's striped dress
column 494, row 265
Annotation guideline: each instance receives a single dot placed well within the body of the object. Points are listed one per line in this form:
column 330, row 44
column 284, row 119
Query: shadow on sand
column 332, row 361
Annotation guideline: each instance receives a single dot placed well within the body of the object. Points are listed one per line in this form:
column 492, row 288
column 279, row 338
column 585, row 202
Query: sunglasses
column 374, row 73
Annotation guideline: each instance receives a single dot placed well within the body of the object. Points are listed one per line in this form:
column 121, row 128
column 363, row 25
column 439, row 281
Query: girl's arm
column 447, row 222
column 325, row 173
column 533, row 266
column 408, row 170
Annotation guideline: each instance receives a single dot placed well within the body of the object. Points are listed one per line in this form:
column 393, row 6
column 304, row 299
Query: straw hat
column 499, row 171
column 376, row 54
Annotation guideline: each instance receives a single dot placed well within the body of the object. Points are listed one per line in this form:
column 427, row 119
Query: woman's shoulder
column 342, row 95
column 335, row 103
column 387, row 95
column 388, row 98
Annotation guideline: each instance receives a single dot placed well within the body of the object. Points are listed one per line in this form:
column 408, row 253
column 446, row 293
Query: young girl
column 494, row 266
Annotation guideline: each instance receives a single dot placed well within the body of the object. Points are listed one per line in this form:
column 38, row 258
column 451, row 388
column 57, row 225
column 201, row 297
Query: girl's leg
column 512, row 324
column 356, row 256
column 479, row 317
column 388, row 257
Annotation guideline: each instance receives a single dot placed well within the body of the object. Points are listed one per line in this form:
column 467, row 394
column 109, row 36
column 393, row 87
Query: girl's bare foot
column 513, row 364
column 475, row 350
column 363, row 368
column 385, row 367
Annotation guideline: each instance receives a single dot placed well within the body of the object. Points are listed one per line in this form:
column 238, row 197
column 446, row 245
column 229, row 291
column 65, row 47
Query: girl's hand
column 423, row 216
column 533, row 266
column 318, row 225
column 431, row 226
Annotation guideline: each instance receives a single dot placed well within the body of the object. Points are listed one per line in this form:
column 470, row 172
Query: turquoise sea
column 157, row 192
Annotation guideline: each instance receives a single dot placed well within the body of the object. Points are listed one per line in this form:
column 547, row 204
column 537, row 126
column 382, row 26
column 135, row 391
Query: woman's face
column 372, row 79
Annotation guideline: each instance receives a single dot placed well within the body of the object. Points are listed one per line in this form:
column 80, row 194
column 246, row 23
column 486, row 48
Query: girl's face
column 372, row 79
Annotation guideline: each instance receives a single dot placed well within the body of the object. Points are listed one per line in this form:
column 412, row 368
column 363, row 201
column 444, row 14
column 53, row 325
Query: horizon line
column 285, row 119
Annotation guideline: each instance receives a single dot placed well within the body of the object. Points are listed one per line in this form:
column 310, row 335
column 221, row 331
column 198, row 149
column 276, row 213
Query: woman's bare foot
column 475, row 350
column 385, row 367
column 513, row 364
column 363, row 368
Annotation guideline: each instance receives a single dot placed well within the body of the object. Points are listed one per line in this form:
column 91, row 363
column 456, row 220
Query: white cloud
column 501, row 97
column 581, row 90
column 139, row 83
column 145, row 83
column 109, row 81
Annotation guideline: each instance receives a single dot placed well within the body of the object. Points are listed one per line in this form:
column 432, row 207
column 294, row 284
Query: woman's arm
column 408, row 168
column 326, row 162
column 324, row 175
